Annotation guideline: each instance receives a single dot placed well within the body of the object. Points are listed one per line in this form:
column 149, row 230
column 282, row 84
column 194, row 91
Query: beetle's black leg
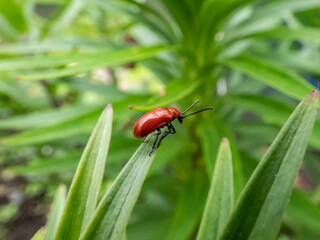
column 166, row 134
column 143, row 139
column 155, row 141
column 171, row 130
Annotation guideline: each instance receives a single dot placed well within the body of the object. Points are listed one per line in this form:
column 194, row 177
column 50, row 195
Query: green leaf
column 84, row 190
column 259, row 209
column 25, row 63
column 19, row 94
column 189, row 207
column 296, row 61
column 119, row 149
column 47, row 118
column 112, row 214
column 279, row 7
column 40, row 234
column 238, row 176
column 12, row 20
column 168, row 152
column 149, row 228
column 268, row 16
column 42, row 167
column 271, row 111
column 109, row 93
column 80, row 125
column 181, row 13
column 54, row 46
column 7, row 31
column 264, row 71
column 55, row 212
column 12, row 11
column 256, row 135
column 175, row 90
column 312, row 166
column 98, row 61
column 300, row 212
column 307, row 34
column 63, row 17
column 213, row 14
column 153, row 20
column 220, row 198
column 152, row 216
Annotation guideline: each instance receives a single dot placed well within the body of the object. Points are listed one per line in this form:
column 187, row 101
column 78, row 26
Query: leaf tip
column 62, row 187
column 108, row 107
column 314, row 94
column 224, row 140
column 43, row 228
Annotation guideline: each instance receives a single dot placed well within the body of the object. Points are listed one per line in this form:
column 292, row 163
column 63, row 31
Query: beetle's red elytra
column 153, row 120
column 158, row 118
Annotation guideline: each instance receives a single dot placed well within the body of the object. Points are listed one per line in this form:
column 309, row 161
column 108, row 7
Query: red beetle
column 159, row 118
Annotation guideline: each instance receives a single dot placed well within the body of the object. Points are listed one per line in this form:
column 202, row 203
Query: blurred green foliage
column 62, row 62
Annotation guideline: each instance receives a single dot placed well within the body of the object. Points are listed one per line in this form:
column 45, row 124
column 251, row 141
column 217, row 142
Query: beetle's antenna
column 197, row 112
column 190, row 107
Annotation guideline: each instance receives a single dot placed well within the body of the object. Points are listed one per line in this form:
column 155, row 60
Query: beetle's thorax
column 175, row 112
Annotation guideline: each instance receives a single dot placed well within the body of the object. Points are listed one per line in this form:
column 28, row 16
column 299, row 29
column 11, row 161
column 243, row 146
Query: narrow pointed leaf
column 112, row 214
column 63, row 17
column 12, row 11
column 307, row 34
column 41, row 167
column 40, row 234
column 271, row 111
column 274, row 76
column 84, row 190
column 296, row 61
column 268, row 16
column 53, row 45
column 55, row 212
column 259, row 209
column 24, row 63
column 47, row 118
column 98, row 61
column 220, row 198
column 278, row 7
column 238, row 176
column 72, row 127
column 175, row 90
column 6, row 30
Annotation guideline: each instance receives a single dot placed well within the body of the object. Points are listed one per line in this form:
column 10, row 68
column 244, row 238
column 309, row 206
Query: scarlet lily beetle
column 157, row 119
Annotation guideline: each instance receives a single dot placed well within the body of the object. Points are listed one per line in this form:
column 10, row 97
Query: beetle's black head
column 182, row 116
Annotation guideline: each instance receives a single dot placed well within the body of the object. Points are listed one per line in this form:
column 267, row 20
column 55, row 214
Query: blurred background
column 62, row 61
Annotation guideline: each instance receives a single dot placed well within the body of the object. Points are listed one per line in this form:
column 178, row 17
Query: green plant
column 257, row 213
column 250, row 60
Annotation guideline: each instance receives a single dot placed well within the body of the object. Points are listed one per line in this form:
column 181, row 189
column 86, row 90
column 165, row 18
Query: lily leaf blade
column 220, row 198
column 112, row 215
column 84, row 190
column 259, row 209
